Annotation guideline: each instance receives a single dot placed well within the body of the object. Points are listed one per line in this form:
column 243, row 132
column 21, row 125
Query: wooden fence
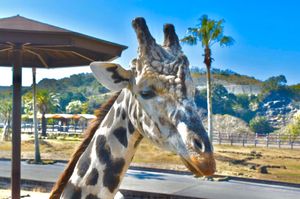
column 270, row 140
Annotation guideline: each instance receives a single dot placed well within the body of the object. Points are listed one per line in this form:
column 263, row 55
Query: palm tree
column 45, row 102
column 208, row 33
column 41, row 101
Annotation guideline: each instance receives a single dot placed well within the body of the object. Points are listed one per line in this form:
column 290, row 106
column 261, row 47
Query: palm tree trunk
column 37, row 156
column 5, row 132
column 44, row 125
column 6, row 128
column 207, row 61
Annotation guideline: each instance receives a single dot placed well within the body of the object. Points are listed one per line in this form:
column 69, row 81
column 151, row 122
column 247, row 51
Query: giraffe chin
column 203, row 165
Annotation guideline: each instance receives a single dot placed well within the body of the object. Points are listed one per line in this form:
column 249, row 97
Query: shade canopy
column 28, row 43
column 46, row 46
column 62, row 116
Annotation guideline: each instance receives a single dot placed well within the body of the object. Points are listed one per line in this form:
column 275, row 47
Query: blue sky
column 266, row 32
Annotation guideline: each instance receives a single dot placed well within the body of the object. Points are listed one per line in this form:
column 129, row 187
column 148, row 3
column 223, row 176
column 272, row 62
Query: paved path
column 174, row 184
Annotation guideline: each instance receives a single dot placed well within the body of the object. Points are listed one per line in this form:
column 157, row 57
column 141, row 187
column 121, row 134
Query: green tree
column 208, row 32
column 200, row 99
column 295, row 91
column 260, row 125
column 227, row 103
column 274, row 84
column 85, row 107
column 6, row 116
column 242, row 107
column 293, row 129
column 67, row 97
column 74, row 107
column 222, row 100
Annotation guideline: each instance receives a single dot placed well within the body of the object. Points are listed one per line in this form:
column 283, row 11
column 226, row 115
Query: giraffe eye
column 147, row 94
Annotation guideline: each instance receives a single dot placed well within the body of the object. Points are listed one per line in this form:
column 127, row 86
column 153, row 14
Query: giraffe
column 154, row 100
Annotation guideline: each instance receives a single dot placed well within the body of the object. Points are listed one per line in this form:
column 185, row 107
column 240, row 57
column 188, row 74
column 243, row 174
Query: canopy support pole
column 16, row 119
column 37, row 156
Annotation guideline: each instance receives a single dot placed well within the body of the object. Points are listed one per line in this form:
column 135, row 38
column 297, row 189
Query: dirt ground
column 260, row 163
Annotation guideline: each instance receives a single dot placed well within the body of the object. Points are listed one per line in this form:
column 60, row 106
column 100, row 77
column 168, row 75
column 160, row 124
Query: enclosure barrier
column 269, row 140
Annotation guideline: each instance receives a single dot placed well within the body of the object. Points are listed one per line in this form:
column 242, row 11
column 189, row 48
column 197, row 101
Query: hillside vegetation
column 83, row 90
column 229, row 76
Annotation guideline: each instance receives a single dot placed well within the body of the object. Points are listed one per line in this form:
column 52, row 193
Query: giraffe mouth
column 203, row 165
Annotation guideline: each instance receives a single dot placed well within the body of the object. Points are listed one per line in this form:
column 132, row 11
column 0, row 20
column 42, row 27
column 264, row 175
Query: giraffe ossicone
column 155, row 100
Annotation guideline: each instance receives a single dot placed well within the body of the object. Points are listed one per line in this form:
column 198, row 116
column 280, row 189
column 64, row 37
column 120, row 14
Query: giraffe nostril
column 198, row 145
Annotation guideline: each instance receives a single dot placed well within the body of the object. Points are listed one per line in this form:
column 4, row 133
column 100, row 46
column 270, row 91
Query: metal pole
column 37, row 156
column 16, row 128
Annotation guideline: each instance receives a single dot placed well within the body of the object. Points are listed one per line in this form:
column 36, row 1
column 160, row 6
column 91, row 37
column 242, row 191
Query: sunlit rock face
column 227, row 126
column 278, row 109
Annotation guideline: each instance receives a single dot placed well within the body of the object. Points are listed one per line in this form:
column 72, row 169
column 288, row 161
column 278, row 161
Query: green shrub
column 293, row 129
column 260, row 125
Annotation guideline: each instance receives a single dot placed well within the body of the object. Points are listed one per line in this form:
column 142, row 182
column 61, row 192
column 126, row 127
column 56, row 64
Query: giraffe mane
column 89, row 134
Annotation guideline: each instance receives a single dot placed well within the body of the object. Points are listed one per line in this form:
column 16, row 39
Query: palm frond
column 226, row 41
column 203, row 20
column 218, row 31
column 210, row 28
column 191, row 40
column 220, row 22
column 216, row 34
column 193, row 32
column 208, row 32
column 205, row 41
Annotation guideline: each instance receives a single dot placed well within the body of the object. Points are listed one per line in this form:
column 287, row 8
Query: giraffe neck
column 102, row 166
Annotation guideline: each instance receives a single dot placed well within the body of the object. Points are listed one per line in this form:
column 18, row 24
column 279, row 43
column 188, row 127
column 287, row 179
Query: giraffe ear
column 111, row 75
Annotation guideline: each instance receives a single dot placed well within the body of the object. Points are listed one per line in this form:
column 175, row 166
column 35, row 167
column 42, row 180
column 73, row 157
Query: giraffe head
column 162, row 90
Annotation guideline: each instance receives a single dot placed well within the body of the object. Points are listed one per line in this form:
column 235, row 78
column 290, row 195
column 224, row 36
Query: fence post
column 279, row 141
column 243, row 140
column 267, row 140
column 231, row 140
column 220, row 139
column 255, row 140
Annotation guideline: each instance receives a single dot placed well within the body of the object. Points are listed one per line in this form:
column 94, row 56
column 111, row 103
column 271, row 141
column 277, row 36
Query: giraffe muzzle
column 206, row 164
column 199, row 158
column 201, row 165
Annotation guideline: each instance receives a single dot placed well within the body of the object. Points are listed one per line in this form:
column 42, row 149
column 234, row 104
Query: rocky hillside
column 233, row 82
column 278, row 109
column 227, row 126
